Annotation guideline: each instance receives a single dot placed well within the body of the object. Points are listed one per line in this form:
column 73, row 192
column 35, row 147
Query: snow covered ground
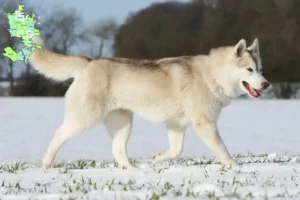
column 262, row 135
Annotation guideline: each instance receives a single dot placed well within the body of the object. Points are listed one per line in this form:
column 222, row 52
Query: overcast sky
column 93, row 10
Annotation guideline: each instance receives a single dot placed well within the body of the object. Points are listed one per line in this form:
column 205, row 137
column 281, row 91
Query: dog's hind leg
column 72, row 126
column 119, row 123
column 68, row 129
column 81, row 113
column 176, row 138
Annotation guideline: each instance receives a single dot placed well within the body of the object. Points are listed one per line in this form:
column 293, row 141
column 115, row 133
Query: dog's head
column 242, row 73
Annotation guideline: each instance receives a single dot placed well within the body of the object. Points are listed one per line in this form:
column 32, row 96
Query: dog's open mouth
column 253, row 92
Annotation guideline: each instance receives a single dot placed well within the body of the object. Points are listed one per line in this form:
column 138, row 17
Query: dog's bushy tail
column 56, row 66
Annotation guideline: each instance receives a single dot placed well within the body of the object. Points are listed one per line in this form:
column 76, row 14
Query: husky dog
column 177, row 91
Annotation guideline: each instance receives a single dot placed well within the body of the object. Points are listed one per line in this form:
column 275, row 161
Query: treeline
column 190, row 28
column 63, row 31
column 174, row 29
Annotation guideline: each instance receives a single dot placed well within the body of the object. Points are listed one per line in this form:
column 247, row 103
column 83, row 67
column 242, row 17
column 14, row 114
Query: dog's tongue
column 254, row 92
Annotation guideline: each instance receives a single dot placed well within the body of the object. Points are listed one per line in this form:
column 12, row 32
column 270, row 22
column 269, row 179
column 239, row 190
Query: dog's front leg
column 208, row 131
column 176, row 136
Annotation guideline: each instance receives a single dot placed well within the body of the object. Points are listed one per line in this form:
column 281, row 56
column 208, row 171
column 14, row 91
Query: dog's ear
column 240, row 48
column 254, row 48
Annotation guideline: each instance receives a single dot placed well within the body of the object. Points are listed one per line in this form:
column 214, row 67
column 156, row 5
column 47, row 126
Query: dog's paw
column 157, row 157
column 46, row 162
column 230, row 162
column 127, row 166
column 45, row 166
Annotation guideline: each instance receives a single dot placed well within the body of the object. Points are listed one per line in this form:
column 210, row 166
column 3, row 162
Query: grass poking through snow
column 258, row 176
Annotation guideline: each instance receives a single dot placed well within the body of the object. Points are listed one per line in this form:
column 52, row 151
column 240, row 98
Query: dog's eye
column 250, row 69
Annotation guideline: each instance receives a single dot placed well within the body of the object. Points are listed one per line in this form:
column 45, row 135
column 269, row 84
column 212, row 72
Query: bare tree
column 212, row 3
column 104, row 30
column 6, row 39
column 62, row 31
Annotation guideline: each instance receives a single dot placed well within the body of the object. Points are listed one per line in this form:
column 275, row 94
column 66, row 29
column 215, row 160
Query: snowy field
column 263, row 136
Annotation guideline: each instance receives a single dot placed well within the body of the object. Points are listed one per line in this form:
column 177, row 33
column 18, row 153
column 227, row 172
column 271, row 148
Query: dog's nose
column 265, row 85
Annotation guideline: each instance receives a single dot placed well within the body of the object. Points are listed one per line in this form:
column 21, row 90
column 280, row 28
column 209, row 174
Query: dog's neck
column 216, row 81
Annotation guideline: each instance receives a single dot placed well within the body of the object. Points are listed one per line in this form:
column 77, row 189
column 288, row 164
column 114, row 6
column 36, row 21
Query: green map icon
column 21, row 26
